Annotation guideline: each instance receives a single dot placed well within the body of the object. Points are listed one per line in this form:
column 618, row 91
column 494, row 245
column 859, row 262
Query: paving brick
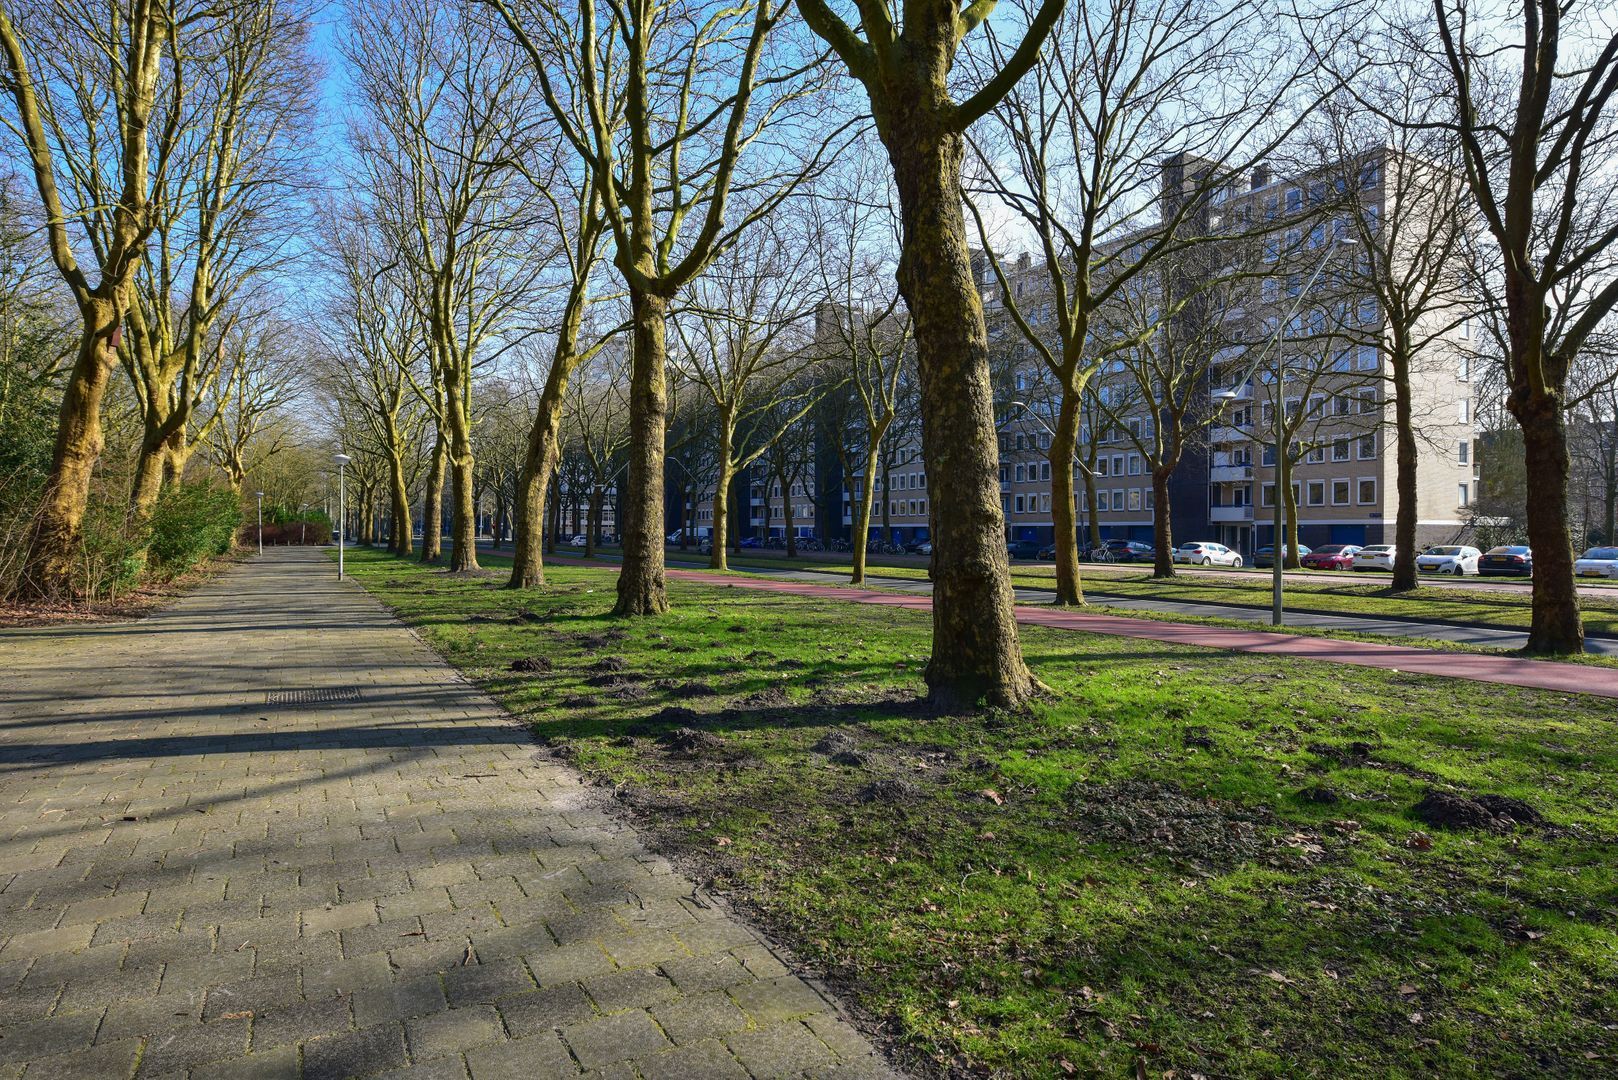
column 369, row 1050
column 44, row 942
column 628, row 989
column 780, row 1050
column 546, row 1009
column 708, row 1059
column 486, row 982
column 194, row 1044
column 109, row 1061
column 453, row 1031
column 536, row 1058
column 770, row 1001
column 278, row 1064
column 701, row 1016
column 48, row 1037
column 290, row 1024
column 615, row 1038
column 401, row 1000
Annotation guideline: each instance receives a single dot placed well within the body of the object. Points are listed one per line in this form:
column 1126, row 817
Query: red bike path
column 1478, row 667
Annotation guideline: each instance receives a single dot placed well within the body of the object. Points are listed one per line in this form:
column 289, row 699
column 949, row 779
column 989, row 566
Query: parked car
column 1507, row 560
column 1331, row 557
column 1022, row 549
column 1457, row 559
column 1597, row 562
column 1265, row 556
column 1206, row 553
column 751, row 542
column 924, row 548
column 674, row 537
column 1125, row 551
column 1374, row 557
column 577, row 541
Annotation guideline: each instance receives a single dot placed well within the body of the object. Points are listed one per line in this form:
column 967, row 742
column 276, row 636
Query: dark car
column 1265, row 556
column 1507, row 560
column 1124, row 551
column 1046, row 553
column 1022, row 549
column 751, row 542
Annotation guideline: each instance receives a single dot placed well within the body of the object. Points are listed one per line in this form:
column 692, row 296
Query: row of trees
column 531, row 187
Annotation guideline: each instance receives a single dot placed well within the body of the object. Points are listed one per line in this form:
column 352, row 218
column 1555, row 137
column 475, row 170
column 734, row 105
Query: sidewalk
column 267, row 833
column 1478, row 667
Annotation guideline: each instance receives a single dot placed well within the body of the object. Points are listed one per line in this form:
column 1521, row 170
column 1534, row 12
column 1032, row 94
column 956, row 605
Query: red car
column 1331, row 557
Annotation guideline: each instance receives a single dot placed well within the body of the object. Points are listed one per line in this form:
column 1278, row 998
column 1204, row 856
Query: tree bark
column 432, row 508
column 1286, row 545
column 862, row 513
column 1555, row 627
column 399, row 496
column 721, row 501
column 976, row 654
column 538, row 469
column 1406, row 450
column 1064, row 445
column 788, row 529
column 1162, row 523
column 463, row 555
column 53, row 548
column 642, row 589
column 592, row 525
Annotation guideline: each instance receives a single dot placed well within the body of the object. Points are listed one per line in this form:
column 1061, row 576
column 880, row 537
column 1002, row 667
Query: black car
column 1022, row 549
column 1507, row 560
column 1047, row 553
column 1124, row 551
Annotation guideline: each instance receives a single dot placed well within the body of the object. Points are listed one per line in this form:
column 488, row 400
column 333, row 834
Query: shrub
column 111, row 557
column 313, row 531
column 190, row 523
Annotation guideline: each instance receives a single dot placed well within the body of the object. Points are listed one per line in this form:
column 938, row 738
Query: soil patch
column 1497, row 813
column 1158, row 819
column 532, row 664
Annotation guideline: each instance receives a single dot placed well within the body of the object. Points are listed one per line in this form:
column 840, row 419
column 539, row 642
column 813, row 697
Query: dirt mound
column 608, row 679
column 758, row 656
column 771, row 697
column 889, row 789
column 610, row 663
column 674, row 688
column 1155, row 818
column 840, row 747
column 628, row 691
column 532, row 664
column 1497, row 813
column 691, row 741
column 526, row 616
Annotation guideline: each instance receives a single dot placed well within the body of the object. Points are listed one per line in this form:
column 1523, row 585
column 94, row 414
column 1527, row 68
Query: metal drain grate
column 315, row 696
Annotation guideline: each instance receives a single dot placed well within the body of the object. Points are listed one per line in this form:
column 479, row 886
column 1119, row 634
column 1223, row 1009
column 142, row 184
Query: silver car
column 1206, row 553
column 1457, row 559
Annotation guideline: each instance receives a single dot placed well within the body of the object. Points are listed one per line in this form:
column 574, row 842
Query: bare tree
column 598, row 422
column 259, row 379
column 905, row 66
column 446, row 116
column 1531, row 103
column 99, row 99
column 700, row 89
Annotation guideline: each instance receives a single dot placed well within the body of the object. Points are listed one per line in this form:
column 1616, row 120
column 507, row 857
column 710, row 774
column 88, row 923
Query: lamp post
column 1278, row 546
column 342, row 506
column 260, row 496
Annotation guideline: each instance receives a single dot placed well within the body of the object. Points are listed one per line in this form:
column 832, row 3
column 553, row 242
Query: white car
column 576, row 541
column 1456, row 559
column 1204, row 553
column 1374, row 557
column 1597, row 562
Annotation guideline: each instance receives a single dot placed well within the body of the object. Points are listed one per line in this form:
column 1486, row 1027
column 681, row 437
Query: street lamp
column 260, row 497
column 342, row 506
column 1278, row 521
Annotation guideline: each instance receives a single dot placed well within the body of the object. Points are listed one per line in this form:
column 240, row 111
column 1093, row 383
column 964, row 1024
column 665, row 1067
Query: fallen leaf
column 244, row 1015
column 1406, row 989
column 993, row 796
column 1415, row 1018
column 1276, row 976
column 1419, row 841
column 722, row 841
column 1067, row 1066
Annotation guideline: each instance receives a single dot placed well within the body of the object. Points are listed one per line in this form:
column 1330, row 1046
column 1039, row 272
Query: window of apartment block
column 1044, row 442
column 1103, row 502
column 1020, row 472
column 912, row 507
column 1117, row 498
column 1315, row 456
column 1266, row 495
column 1463, row 495
column 1463, row 411
column 1339, row 492
column 1367, row 354
column 1368, row 310
column 1317, row 405
column 1370, row 175
column 1463, row 366
column 1463, row 452
column 1101, row 466
column 1342, row 405
column 1368, row 400
column 1367, row 447
column 1294, row 200
column 923, row 506
column 1134, row 464
column 1267, row 456
column 1134, row 498
column 1339, row 450
column 1366, row 495
column 924, row 480
column 1005, row 474
column 1315, row 492
column 1017, row 502
column 1117, row 464
column 1045, row 504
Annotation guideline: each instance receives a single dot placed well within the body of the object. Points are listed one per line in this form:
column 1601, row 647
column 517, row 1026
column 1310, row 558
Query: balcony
column 1219, row 435
column 1243, row 392
column 1229, row 474
column 1230, row 513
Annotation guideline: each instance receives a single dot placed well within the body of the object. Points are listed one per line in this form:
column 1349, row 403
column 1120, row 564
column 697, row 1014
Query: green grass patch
column 1187, row 860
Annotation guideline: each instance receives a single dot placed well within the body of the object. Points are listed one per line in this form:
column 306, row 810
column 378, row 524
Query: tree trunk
column 642, row 589
column 592, row 524
column 1555, row 628
column 1404, row 525
column 721, row 507
column 432, row 504
column 1162, row 523
column 1286, row 545
column 788, row 529
column 534, row 482
column 976, row 656
column 1064, row 444
column 53, row 546
column 554, row 533
column 399, row 497
column 862, row 514
column 1092, row 504
column 463, row 554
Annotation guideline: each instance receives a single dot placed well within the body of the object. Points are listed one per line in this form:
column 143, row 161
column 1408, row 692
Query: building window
column 1339, row 492
column 1017, row 503
column 1267, row 456
column 1134, row 464
column 1315, row 456
column 1045, row 504
column 1463, row 451
column 923, row 507
column 1317, row 492
column 1463, row 411
column 1117, row 498
column 1117, row 464
column 1463, row 494
column 1367, row 449
column 1102, row 501
column 1367, row 357
column 1134, row 498
column 1266, row 495
column 1339, row 450
column 1367, row 491
column 1044, row 470
column 1343, row 405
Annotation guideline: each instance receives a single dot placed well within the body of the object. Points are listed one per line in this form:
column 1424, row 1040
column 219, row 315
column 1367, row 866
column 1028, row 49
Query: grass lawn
column 1187, row 862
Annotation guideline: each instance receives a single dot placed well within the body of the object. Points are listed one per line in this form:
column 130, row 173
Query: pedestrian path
column 267, row 833
column 1477, row 666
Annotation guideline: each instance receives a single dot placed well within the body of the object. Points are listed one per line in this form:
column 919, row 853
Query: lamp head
column 341, row 459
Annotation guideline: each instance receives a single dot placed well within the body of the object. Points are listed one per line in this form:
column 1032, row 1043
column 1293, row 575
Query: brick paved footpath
column 205, row 874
